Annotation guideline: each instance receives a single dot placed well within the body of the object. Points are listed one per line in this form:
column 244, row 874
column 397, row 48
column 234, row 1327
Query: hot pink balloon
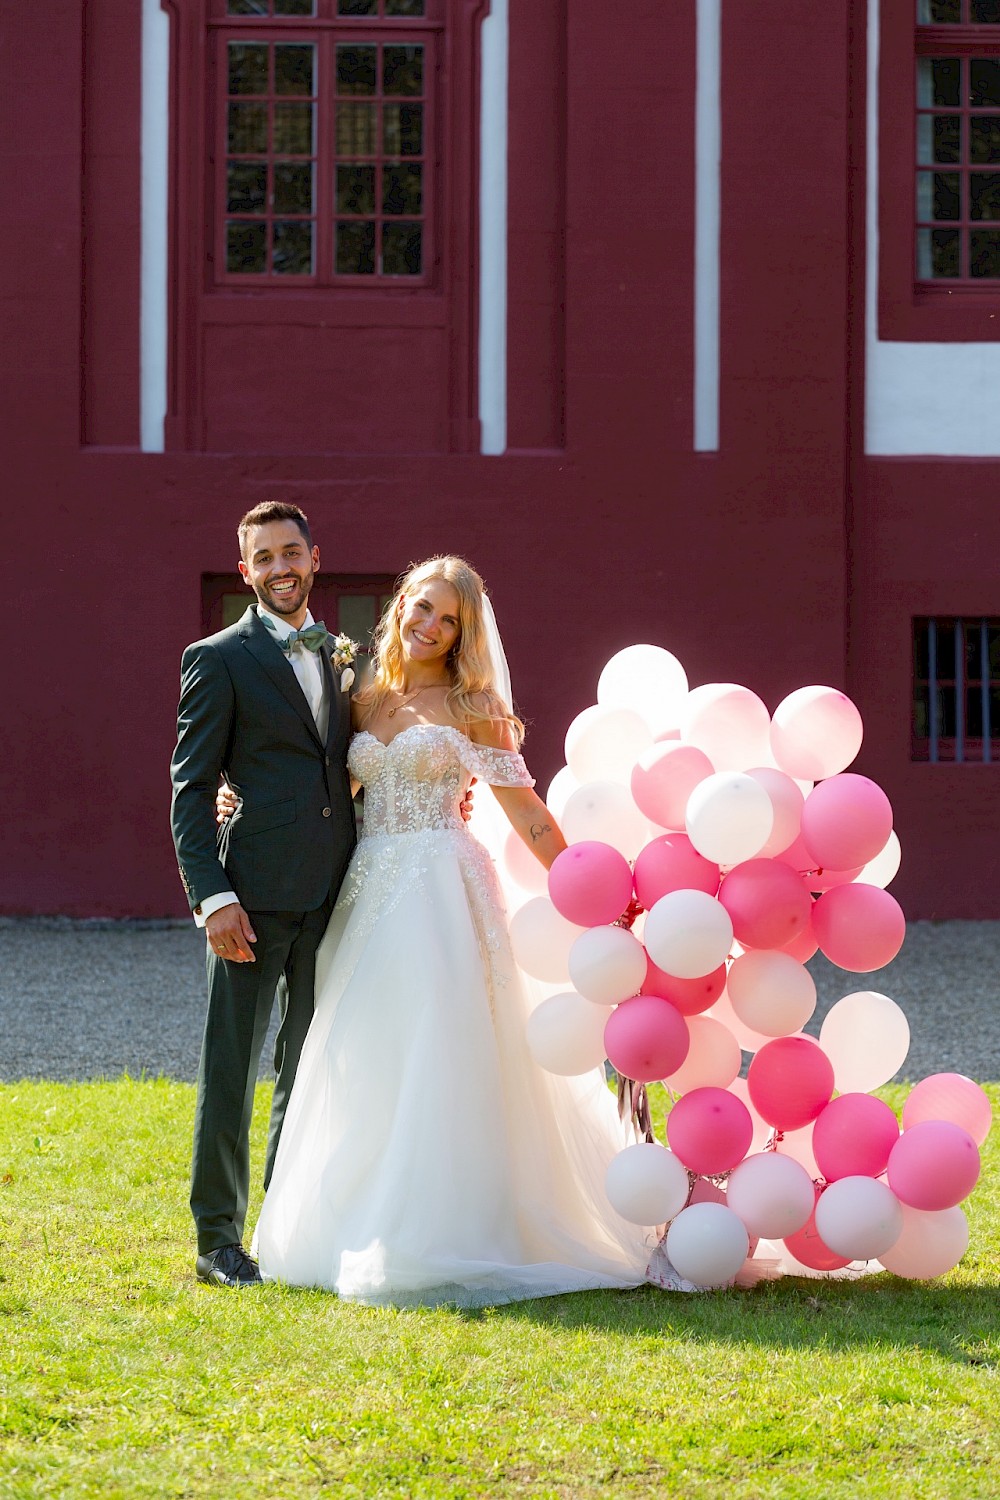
column 710, row 1131
column 859, row 927
column 790, row 1081
column 853, row 1137
column 934, row 1165
column 664, row 778
column 804, row 945
column 690, row 996
column 949, row 1096
column 846, row 821
column 813, row 877
column 590, row 884
column 646, row 1038
column 809, row 1248
column 767, row 902
column 705, row 1191
column 672, row 863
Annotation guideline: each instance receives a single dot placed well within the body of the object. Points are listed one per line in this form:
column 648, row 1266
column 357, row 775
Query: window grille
column 956, row 690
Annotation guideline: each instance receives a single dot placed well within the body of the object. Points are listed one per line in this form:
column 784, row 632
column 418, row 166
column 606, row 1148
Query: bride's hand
column 226, row 802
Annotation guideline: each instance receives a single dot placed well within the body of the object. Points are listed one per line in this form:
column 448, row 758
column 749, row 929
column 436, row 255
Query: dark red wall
column 600, row 527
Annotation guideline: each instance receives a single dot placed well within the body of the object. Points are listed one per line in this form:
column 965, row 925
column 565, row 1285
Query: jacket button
column 328, row 760
column 327, row 812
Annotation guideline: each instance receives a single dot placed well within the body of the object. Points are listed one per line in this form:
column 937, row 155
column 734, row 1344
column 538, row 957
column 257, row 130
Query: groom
column 262, row 706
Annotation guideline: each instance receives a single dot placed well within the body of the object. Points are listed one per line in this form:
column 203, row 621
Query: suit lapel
column 269, row 656
column 333, row 697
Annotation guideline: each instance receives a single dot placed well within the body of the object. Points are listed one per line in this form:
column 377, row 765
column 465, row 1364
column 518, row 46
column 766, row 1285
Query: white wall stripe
column 707, row 223
column 154, row 219
column 493, row 232
column 926, row 399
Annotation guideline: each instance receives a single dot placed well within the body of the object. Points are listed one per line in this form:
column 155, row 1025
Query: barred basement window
column 956, row 690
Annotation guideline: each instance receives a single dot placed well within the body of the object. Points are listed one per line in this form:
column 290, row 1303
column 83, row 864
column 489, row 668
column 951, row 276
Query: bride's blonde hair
column 473, row 694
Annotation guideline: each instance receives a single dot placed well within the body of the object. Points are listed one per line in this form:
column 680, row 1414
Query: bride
column 425, row 1157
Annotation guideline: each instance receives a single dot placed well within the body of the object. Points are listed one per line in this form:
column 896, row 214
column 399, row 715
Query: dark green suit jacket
column 243, row 715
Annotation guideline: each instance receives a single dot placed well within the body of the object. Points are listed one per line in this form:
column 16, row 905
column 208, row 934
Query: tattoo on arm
column 539, row 830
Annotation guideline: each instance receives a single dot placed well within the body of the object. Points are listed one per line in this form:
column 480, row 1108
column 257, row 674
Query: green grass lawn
column 120, row 1376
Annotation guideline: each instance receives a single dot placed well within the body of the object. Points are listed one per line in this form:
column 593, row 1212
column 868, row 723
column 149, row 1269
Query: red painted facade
column 785, row 558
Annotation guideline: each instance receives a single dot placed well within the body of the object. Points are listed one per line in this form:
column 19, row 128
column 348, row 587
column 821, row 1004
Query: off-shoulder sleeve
column 496, row 767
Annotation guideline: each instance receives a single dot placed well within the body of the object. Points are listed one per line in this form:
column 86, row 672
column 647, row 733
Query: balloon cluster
column 713, row 848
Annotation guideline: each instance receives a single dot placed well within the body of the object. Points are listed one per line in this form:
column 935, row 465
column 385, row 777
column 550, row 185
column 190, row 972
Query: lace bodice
column 416, row 782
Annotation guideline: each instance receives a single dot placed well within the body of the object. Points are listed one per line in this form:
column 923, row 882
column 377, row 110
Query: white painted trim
column 493, row 231
column 707, row 224
column 154, row 220
column 920, row 399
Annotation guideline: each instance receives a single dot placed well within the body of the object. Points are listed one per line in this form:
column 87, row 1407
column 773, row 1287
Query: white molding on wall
column 707, row 224
column 154, row 225
column 493, row 231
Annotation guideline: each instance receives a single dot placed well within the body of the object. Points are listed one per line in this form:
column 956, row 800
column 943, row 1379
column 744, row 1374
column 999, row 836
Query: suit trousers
column 240, row 1000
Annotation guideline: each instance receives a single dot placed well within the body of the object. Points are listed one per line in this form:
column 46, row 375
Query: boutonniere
column 344, row 652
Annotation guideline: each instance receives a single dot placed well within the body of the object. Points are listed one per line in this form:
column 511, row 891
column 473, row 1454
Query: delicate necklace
column 391, row 713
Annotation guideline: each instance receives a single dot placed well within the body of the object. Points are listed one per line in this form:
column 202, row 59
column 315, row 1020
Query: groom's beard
column 286, row 604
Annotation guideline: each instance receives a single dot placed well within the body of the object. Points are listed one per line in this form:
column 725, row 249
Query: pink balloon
column 672, row 863
column 934, row 1165
column 809, row 1248
column 767, row 902
column 713, row 1058
column 816, row 731
column 859, row 927
column 646, row 1038
column 804, row 945
column 854, row 1136
column 790, row 1081
column 949, row 1096
column 664, row 778
column 590, row 884
column 690, row 996
column 786, row 799
column 814, row 878
column 846, row 821
column 710, row 1131
column 705, row 1191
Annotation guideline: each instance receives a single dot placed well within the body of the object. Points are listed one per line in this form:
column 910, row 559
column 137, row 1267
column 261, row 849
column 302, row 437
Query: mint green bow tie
column 313, row 637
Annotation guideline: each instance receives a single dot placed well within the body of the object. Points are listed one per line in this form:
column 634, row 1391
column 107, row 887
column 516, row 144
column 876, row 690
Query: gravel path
column 98, row 999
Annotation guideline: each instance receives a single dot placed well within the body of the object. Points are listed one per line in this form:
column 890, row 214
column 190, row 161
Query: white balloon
column 565, row 1034
column 883, row 869
column 771, row 992
column 787, row 802
column 772, row 1194
column 930, row 1243
column 816, row 732
column 605, row 811
column 522, row 866
column 541, row 939
column 708, row 1244
column 603, row 744
column 729, row 817
column 649, row 680
column 561, row 788
column 798, row 1144
column 607, row 965
column 688, row 933
column 859, row 1218
column 866, row 1036
column 722, row 1010
column 713, row 1058
column 646, row 1184
column 730, row 723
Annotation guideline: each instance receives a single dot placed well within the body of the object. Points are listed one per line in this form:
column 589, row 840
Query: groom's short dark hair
column 272, row 510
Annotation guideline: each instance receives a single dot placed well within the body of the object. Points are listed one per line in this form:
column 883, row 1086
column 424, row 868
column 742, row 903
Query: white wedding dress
column 425, row 1157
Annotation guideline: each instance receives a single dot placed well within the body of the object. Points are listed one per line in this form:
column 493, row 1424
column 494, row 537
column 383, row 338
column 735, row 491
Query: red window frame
column 325, row 31
column 942, row 311
column 324, row 601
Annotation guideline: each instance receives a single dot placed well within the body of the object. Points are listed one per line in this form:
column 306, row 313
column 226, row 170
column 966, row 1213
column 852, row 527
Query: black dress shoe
column 229, row 1266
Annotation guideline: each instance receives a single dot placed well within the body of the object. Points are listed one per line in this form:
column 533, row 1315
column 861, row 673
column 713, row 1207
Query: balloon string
column 633, row 1104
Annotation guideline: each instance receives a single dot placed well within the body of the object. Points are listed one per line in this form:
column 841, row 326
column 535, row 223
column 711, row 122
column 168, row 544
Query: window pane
column 994, row 652
column 248, row 128
column 293, row 134
column 944, row 195
column 356, row 70
column 355, row 190
column 984, row 138
column 294, row 7
column 403, row 129
column 247, row 7
column 938, row 81
column 939, row 138
column 401, row 249
column 984, row 195
column 921, row 714
column 246, row 187
column 985, row 12
column 248, row 67
column 938, row 253
column 357, row 7
column 357, row 617
column 404, row 7
column 246, row 248
column 402, row 189
column 946, row 712
column 293, row 248
column 938, row 12
column 973, row 650
column 403, row 70
column 356, row 130
column 293, row 187
column 984, row 82
column 356, row 249
column 945, row 650
column 293, row 70
column 974, row 713
column 984, row 253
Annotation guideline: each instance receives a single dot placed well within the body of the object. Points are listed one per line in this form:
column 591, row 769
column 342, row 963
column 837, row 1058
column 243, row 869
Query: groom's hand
column 465, row 806
column 230, row 934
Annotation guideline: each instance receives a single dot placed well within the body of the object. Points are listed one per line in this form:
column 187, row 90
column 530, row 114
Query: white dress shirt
column 309, row 673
